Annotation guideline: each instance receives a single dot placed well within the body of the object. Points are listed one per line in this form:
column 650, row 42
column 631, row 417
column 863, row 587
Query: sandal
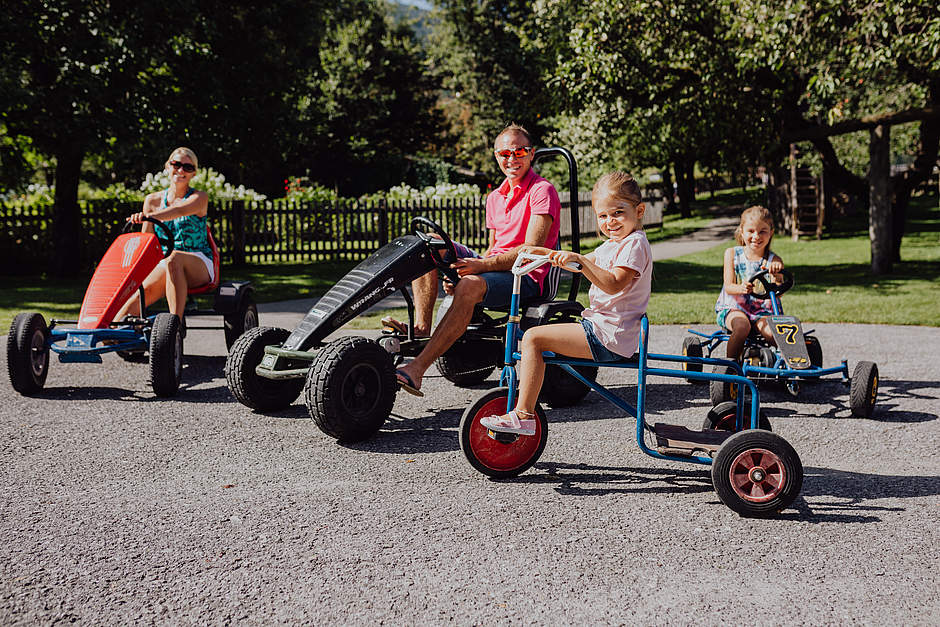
column 406, row 383
column 396, row 326
column 512, row 425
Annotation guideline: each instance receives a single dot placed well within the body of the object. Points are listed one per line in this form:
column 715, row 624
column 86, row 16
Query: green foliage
column 302, row 188
column 206, row 179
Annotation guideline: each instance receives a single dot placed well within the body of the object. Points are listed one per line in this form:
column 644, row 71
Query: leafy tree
column 69, row 79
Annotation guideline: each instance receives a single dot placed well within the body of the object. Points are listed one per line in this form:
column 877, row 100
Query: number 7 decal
column 789, row 332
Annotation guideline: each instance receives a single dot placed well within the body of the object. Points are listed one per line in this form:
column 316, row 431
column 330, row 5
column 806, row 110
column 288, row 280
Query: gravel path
column 120, row 508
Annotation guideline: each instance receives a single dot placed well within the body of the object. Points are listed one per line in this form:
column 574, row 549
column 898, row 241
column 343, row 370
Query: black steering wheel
column 435, row 245
column 764, row 285
column 166, row 240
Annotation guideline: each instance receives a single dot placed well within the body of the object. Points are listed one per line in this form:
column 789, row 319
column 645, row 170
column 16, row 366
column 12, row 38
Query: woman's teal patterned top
column 190, row 233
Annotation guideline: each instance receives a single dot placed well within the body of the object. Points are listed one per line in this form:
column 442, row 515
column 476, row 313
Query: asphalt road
column 120, row 508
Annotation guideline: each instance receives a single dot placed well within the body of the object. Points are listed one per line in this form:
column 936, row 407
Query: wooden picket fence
column 275, row 231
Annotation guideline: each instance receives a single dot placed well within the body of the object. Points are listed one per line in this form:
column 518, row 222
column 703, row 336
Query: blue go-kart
column 754, row 471
column 797, row 356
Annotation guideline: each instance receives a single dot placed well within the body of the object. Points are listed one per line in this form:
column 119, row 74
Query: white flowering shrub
column 208, row 180
column 35, row 194
column 433, row 193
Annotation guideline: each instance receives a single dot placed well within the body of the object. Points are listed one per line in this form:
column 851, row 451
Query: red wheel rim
column 758, row 475
column 496, row 455
column 727, row 422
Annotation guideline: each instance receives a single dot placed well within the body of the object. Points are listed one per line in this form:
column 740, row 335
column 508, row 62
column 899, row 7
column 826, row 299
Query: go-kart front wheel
column 351, row 388
column 246, row 385
column 757, row 473
column 722, row 391
column 692, row 347
column 27, row 353
column 166, row 354
column 243, row 318
column 501, row 455
column 723, row 417
column 864, row 389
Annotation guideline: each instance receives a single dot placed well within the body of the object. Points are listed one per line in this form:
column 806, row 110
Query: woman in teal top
column 184, row 211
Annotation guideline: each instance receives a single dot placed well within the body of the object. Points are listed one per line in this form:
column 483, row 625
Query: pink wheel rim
column 757, row 475
column 496, row 455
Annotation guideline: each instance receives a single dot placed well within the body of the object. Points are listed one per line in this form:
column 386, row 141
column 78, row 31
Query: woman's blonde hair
column 621, row 186
column 185, row 151
column 756, row 212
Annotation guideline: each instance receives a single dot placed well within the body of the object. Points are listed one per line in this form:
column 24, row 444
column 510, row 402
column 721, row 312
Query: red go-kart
column 127, row 262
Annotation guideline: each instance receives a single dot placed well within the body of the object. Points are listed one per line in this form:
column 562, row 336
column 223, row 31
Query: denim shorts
column 499, row 284
column 600, row 352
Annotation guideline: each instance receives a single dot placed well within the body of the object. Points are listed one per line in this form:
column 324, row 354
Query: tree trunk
column 668, row 191
column 65, row 261
column 904, row 183
column 879, row 206
column 685, row 187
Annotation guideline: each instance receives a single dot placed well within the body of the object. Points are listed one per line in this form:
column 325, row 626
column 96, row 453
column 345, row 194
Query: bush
column 208, row 180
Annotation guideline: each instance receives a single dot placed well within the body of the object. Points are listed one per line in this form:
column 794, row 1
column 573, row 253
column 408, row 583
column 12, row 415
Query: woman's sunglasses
column 186, row 167
column 518, row 153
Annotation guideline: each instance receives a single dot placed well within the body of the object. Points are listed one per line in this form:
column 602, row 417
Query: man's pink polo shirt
column 508, row 212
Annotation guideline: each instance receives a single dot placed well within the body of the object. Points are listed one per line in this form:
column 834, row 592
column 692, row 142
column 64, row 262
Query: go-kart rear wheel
column 166, row 354
column 757, row 473
column 560, row 389
column 692, row 347
column 814, row 348
column 244, row 318
column 246, row 385
column 722, row 391
column 723, row 417
column 502, row 455
column 864, row 389
column 351, row 388
column 27, row 353
column 468, row 362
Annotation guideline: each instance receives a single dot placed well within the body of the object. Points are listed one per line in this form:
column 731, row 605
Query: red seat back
column 214, row 283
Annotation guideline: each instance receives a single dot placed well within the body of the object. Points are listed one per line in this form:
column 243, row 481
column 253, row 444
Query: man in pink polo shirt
column 523, row 210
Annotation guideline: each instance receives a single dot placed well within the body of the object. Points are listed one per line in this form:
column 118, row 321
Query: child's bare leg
column 740, row 327
column 764, row 327
column 154, row 288
column 564, row 339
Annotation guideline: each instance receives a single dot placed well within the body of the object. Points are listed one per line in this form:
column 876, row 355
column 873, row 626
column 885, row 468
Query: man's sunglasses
column 186, row 167
column 518, row 153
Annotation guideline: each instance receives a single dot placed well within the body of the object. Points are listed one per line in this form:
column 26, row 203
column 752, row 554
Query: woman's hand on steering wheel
column 161, row 229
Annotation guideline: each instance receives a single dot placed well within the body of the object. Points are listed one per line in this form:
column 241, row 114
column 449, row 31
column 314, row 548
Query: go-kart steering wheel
column 436, row 245
column 167, row 240
column 764, row 286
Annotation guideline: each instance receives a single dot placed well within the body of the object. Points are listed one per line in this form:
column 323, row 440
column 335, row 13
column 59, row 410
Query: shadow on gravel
column 852, row 491
column 436, row 433
column 587, row 480
column 890, row 394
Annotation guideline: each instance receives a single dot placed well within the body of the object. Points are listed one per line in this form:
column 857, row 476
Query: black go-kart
column 349, row 383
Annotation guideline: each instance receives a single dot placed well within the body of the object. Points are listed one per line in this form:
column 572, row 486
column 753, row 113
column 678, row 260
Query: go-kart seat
column 214, row 283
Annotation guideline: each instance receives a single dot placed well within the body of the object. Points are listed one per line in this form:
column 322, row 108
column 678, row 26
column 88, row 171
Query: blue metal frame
column 510, row 379
column 780, row 370
column 81, row 345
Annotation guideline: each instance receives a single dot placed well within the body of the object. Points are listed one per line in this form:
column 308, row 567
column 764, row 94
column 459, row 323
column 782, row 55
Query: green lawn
column 833, row 282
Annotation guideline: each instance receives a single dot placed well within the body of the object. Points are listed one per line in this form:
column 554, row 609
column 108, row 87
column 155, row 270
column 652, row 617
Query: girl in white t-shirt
column 620, row 271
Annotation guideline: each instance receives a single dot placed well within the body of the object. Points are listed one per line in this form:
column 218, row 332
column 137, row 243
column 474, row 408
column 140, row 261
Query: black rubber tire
column 244, row 318
column 768, row 357
column 246, row 386
column 495, row 458
column 27, row 353
column 166, row 354
column 351, row 388
column 692, row 347
column 751, row 494
column 468, row 363
column 560, row 389
column 814, row 348
column 864, row 389
column 723, row 417
column 722, row 391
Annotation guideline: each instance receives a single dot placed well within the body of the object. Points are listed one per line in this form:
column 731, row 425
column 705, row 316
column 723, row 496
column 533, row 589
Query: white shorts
column 202, row 257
